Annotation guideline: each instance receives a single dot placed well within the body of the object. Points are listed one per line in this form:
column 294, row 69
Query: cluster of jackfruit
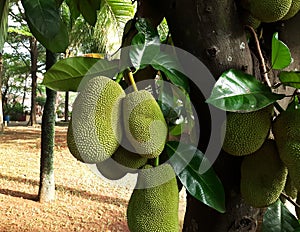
column 104, row 116
column 269, row 11
column 120, row 133
column 269, row 166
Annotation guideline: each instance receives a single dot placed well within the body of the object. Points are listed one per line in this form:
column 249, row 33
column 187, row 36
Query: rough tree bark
column 33, row 71
column 47, row 183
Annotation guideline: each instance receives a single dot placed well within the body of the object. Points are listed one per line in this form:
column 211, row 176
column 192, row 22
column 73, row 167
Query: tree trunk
column 33, row 57
column 211, row 31
column 47, row 183
column 1, row 109
column 67, row 107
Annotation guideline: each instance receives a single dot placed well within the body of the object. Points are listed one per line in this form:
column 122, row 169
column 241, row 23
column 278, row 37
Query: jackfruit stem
column 132, row 81
column 156, row 161
column 290, row 200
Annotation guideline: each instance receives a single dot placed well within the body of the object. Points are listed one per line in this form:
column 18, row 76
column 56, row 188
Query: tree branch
column 290, row 200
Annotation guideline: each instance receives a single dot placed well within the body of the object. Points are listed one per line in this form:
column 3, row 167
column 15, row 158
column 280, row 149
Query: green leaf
column 43, row 15
column 146, row 45
column 290, row 78
column 281, row 55
column 170, row 66
column 297, row 229
column 206, row 187
column 67, row 74
column 278, row 218
column 237, row 91
column 74, row 8
column 4, row 9
column 176, row 130
column 57, row 44
column 88, row 9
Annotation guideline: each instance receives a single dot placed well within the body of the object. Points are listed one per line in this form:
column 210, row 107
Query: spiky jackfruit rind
column 246, row 132
column 295, row 7
column 96, row 119
column 263, row 176
column 286, row 130
column 144, row 124
column 156, row 208
column 111, row 170
column 129, row 159
column 71, row 142
column 270, row 10
column 250, row 20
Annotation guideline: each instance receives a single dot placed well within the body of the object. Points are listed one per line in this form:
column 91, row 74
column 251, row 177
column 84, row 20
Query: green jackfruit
column 286, row 130
column 246, row 132
column 263, row 176
column 268, row 11
column 295, row 7
column 250, row 20
column 144, row 124
column 96, row 119
column 71, row 142
column 289, row 188
column 121, row 163
column 154, row 208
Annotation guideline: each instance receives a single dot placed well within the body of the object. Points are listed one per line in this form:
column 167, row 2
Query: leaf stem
column 131, row 79
column 261, row 57
column 290, row 200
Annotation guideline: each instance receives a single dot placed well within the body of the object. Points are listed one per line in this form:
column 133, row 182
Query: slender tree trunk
column 67, row 107
column 33, row 57
column 47, row 183
column 211, row 31
column 1, row 109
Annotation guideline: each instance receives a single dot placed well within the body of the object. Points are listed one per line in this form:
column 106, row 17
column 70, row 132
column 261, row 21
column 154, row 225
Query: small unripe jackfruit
column 121, row 163
column 268, row 11
column 246, row 132
column 144, row 124
column 250, row 20
column 295, row 7
column 154, row 208
column 96, row 119
column 263, row 176
column 286, row 129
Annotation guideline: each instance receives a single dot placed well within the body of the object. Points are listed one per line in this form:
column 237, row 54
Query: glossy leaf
column 290, row 79
column 278, row 218
column 281, row 55
column 4, row 9
column 237, row 91
column 170, row 66
column 206, row 187
column 43, row 15
column 67, row 74
column 57, row 44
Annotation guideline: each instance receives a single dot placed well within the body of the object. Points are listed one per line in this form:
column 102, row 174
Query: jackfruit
column 250, row 20
column 246, row 132
column 96, row 119
column 268, row 11
column 286, row 130
column 263, row 176
column 295, row 7
column 121, row 163
column 144, row 124
column 289, row 188
column 71, row 142
column 154, row 208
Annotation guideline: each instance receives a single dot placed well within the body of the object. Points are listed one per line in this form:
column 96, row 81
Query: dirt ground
column 84, row 201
